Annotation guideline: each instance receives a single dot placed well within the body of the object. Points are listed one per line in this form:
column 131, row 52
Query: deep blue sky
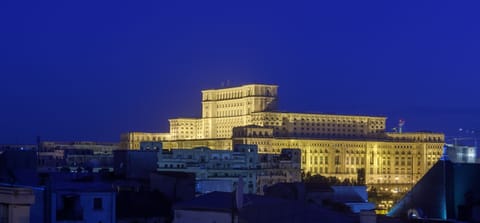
column 90, row 70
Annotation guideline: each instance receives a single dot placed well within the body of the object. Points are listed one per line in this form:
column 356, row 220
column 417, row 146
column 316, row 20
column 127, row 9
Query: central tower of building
column 224, row 109
column 238, row 101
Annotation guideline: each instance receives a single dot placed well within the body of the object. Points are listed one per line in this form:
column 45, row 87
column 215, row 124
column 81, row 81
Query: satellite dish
column 414, row 213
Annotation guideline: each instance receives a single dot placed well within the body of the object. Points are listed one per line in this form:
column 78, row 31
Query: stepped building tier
column 331, row 145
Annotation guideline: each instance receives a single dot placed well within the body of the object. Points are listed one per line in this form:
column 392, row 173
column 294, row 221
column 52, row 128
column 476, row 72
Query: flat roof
column 239, row 86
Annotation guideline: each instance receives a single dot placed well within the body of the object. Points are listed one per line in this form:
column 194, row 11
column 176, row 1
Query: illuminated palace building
column 331, row 145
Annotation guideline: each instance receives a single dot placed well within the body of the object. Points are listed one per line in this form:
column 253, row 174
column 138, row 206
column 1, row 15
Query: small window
column 97, row 203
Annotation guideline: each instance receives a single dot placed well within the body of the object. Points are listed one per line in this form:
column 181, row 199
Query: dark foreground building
column 448, row 191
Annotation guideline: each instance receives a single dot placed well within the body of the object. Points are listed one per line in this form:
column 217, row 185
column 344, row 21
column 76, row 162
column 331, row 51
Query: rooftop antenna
column 39, row 143
column 401, row 123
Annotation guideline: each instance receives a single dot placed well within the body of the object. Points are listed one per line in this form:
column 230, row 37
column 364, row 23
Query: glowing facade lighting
column 332, row 145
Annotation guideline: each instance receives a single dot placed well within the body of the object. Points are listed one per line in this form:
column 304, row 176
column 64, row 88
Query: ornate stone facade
column 331, row 145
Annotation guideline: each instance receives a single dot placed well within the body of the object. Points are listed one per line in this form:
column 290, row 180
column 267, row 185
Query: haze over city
column 88, row 70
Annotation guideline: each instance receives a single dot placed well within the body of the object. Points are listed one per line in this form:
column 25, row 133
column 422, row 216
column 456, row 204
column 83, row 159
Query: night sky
column 90, row 70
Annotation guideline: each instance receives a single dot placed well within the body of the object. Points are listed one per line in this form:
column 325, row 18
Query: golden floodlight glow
column 331, row 145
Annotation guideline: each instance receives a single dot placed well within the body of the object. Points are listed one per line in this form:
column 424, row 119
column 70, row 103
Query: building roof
column 239, row 86
column 320, row 114
column 266, row 209
column 79, row 182
column 215, row 201
column 442, row 191
column 142, row 204
column 225, row 202
column 350, row 194
column 318, row 187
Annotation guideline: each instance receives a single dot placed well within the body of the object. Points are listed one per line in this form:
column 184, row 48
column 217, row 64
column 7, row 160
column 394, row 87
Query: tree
column 361, row 176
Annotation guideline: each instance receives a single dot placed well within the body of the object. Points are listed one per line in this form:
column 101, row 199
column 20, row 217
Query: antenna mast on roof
column 401, row 123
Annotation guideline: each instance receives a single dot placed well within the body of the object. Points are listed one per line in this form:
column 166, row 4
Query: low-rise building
column 222, row 166
column 462, row 153
column 219, row 170
column 75, row 156
column 234, row 207
column 176, row 186
column 18, row 166
column 15, row 204
column 136, row 164
column 224, row 207
column 150, row 145
column 6, row 147
column 279, row 168
column 83, row 202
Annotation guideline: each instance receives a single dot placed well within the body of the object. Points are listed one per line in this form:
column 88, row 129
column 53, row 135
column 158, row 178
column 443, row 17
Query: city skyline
column 82, row 71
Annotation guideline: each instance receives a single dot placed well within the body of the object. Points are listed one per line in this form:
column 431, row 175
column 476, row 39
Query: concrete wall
column 105, row 214
column 16, row 204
